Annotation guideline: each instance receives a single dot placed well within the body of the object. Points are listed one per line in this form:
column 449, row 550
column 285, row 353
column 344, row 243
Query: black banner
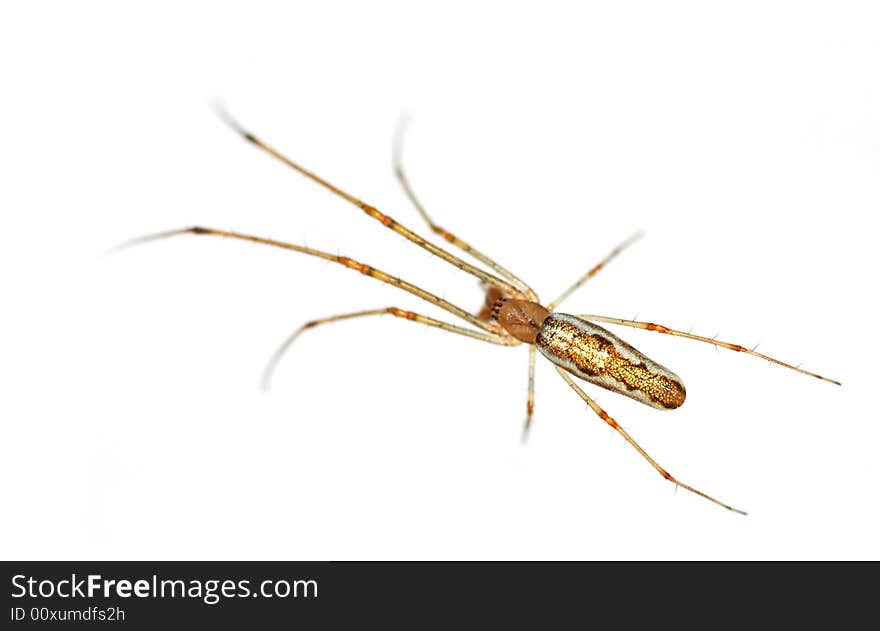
column 242, row 594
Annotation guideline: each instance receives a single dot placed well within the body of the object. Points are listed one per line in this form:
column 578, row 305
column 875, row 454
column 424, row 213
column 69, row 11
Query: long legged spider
column 512, row 314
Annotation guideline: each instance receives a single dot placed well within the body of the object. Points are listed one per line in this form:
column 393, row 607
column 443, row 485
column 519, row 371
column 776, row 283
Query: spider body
column 591, row 353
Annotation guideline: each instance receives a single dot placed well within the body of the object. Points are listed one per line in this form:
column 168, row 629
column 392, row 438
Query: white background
column 744, row 139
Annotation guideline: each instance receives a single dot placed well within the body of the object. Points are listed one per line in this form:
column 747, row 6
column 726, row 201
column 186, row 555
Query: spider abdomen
column 596, row 355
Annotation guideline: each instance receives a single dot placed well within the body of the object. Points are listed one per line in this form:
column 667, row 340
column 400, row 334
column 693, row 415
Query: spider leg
column 594, row 270
column 659, row 328
column 530, row 400
column 400, row 313
column 371, row 211
column 448, row 236
column 610, row 421
column 363, row 268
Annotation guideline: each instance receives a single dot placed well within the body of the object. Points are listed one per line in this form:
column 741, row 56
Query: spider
column 512, row 314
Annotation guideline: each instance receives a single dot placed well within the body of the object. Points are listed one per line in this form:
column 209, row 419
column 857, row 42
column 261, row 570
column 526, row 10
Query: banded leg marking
column 342, row 260
column 659, row 328
column 611, row 422
column 272, row 364
column 594, row 270
column 371, row 211
column 530, row 400
column 448, row 236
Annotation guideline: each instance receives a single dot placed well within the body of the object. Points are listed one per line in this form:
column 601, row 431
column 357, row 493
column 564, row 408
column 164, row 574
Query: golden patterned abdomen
column 600, row 357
